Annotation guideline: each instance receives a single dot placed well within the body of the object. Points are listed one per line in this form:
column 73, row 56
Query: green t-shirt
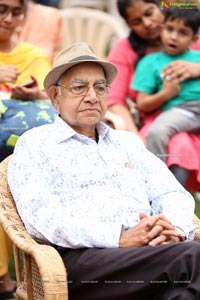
column 147, row 77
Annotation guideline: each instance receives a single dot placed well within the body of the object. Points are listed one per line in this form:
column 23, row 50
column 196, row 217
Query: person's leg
column 133, row 273
column 176, row 294
column 180, row 174
column 166, row 125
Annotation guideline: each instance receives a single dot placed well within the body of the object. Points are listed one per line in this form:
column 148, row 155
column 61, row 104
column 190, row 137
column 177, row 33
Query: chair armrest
column 39, row 268
column 196, row 221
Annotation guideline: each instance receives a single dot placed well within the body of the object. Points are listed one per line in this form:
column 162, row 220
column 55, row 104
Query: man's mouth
column 90, row 110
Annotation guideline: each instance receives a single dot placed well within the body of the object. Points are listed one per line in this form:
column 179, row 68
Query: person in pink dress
column 145, row 18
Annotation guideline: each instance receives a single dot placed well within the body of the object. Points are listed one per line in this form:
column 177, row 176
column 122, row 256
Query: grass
column 197, row 208
column 12, row 268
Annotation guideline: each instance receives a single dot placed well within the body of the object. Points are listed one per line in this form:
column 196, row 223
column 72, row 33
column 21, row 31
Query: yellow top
column 29, row 60
column 42, row 28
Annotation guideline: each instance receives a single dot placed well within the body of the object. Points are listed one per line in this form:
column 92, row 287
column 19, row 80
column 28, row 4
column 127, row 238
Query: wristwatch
column 182, row 235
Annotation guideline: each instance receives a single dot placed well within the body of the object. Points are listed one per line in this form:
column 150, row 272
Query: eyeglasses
column 101, row 89
column 17, row 12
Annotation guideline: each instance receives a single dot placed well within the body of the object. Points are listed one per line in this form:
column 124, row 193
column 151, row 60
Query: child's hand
column 171, row 87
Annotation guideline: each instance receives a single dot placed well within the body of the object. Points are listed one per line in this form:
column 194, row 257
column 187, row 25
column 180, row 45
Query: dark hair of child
column 190, row 17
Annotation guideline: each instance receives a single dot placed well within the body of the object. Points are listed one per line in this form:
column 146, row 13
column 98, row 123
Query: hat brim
column 54, row 75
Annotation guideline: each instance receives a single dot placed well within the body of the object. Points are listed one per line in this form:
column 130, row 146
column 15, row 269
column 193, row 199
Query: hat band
column 83, row 57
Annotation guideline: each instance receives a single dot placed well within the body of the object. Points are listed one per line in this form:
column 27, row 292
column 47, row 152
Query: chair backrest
column 97, row 4
column 97, row 28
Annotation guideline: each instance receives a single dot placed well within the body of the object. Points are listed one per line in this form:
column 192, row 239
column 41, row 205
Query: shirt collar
column 64, row 131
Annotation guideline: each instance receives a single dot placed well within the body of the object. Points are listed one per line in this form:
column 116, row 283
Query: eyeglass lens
column 16, row 12
column 100, row 89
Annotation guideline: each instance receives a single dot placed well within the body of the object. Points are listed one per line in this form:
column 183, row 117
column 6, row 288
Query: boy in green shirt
column 180, row 102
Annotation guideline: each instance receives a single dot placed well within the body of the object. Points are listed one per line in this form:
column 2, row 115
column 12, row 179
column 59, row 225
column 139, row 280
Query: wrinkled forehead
column 85, row 71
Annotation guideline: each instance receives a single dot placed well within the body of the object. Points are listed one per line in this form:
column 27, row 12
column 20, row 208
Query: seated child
column 179, row 101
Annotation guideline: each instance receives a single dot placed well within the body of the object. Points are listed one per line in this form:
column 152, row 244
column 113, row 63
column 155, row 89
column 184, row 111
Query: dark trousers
column 164, row 272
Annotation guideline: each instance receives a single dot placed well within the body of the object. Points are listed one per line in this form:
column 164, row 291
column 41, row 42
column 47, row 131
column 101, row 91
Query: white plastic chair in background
column 97, row 4
column 95, row 27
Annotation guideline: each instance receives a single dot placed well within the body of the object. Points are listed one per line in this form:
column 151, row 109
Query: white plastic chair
column 97, row 4
column 98, row 28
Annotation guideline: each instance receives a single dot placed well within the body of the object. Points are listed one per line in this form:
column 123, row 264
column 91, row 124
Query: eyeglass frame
column 70, row 88
column 11, row 10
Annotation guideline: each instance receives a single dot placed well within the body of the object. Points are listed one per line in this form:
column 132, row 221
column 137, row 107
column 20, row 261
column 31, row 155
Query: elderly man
column 118, row 217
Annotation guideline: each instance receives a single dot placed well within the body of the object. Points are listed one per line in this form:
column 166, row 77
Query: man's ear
column 53, row 95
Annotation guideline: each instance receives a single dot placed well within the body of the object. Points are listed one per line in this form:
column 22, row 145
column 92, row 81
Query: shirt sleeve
column 41, row 209
column 165, row 193
column 145, row 78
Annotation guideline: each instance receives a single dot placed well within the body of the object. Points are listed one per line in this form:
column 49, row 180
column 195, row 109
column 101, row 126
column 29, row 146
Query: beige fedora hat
column 76, row 54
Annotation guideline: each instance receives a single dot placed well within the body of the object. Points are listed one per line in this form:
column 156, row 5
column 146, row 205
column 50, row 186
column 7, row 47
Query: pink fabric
column 183, row 148
column 42, row 27
column 123, row 57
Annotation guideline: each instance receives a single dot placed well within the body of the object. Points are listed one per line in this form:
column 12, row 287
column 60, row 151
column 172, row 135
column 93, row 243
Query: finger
column 173, row 233
column 154, row 219
column 165, row 224
column 174, row 69
column 151, row 221
column 171, row 240
column 183, row 77
column 155, row 231
column 17, row 93
column 157, row 241
column 172, row 75
column 143, row 215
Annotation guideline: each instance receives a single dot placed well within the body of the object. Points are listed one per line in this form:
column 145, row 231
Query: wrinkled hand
column 150, row 230
column 8, row 73
column 163, row 232
column 26, row 93
column 181, row 70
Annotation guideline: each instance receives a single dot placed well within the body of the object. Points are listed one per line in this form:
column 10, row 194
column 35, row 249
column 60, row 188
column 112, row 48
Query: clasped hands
column 175, row 73
column 180, row 71
column 151, row 231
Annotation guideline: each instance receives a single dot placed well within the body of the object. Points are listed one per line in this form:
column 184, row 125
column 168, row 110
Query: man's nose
column 91, row 94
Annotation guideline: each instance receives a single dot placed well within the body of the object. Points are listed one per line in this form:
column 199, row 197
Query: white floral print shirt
column 74, row 192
